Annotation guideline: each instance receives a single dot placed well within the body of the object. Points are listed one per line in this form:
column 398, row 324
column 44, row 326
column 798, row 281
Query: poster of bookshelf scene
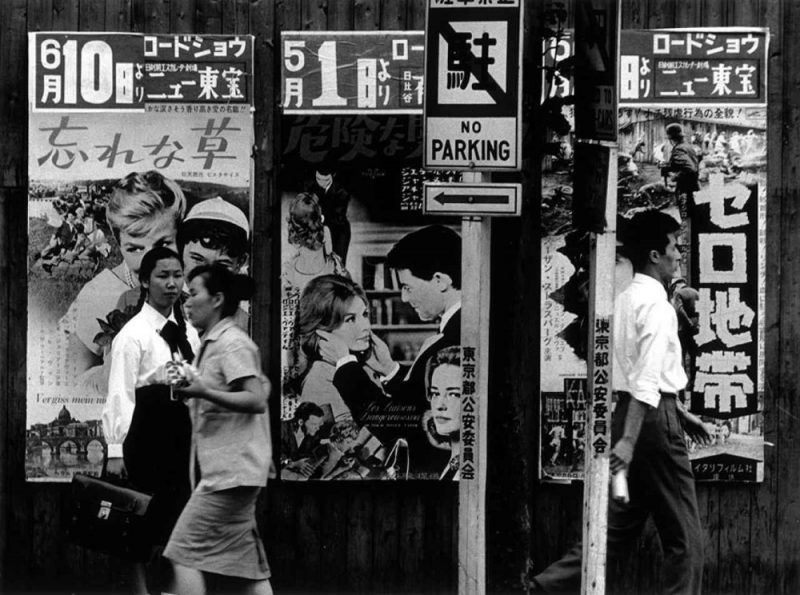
column 153, row 152
column 692, row 142
column 370, row 386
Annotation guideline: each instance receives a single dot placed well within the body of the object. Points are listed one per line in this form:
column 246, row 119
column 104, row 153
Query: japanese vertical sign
column 712, row 84
column 173, row 111
column 473, row 85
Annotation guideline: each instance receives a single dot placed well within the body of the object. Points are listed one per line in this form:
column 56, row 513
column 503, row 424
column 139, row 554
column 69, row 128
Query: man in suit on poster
column 427, row 263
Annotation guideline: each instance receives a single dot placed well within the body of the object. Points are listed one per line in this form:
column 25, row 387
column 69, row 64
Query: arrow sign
column 491, row 199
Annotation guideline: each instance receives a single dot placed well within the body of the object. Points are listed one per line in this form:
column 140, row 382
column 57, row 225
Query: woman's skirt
column 217, row 533
column 156, row 455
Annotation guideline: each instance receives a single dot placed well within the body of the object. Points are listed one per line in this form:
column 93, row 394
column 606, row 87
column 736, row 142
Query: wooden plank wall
column 393, row 537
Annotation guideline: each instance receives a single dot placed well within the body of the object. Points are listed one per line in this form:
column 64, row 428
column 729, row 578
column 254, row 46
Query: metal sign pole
column 475, row 283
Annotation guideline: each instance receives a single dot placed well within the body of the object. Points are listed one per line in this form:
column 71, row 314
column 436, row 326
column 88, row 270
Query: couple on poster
column 357, row 413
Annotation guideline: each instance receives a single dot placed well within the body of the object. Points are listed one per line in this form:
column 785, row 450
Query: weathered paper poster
column 351, row 183
column 710, row 85
column 156, row 110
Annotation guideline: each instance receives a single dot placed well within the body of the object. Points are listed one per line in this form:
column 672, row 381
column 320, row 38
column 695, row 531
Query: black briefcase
column 109, row 518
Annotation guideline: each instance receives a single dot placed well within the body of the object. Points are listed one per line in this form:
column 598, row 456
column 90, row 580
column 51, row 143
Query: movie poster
column 166, row 110
column 711, row 83
column 351, row 182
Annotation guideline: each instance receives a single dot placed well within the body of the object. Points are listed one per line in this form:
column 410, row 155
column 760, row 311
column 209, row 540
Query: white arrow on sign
column 493, row 199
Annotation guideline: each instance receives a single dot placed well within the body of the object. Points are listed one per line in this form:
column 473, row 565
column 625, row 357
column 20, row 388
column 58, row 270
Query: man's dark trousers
column 661, row 484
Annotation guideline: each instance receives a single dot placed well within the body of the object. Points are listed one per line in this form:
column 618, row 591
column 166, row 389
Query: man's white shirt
column 647, row 351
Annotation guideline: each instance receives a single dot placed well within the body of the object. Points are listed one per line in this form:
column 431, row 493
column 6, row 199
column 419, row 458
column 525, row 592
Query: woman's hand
column 331, row 347
column 196, row 387
column 115, row 469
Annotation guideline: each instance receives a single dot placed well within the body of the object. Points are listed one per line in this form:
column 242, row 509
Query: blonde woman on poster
column 144, row 211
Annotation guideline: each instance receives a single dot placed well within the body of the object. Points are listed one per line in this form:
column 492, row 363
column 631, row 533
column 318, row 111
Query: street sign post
column 472, row 121
column 491, row 199
column 473, row 85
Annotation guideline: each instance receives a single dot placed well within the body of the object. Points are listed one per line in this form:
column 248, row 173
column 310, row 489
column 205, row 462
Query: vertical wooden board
column 19, row 515
column 702, row 492
column 512, row 438
column 440, row 541
column 634, row 14
column 45, row 551
column 307, row 564
column 367, row 15
column 119, row 15
column 747, row 14
column 765, row 524
column 288, row 14
column 661, row 13
column 341, row 15
column 711, row 544
column 393, row 15
column 276, row 515
column 315, row 15
column 787, row 401
column 385, row 529
column 156, row 17
column 65, row 15
column 13, row 99
column 235, row 16
column 40, row 14
column 208, row 16
column 547, row 545
column 91, row 16
column 412, row 538
column 5, row 297
column 687, row 13
column 762, row 537
column 734, row 541
column 267, row 144
column 416, row 15
column 334, row 536
column 183, row 16
column 360, row 539
column 714, row 13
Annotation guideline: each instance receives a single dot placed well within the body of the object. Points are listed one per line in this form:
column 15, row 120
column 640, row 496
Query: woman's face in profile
column 355, row 327
column 445, row 394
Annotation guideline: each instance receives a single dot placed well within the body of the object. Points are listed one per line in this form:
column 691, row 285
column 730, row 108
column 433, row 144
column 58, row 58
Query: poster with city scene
column 371, row 377
column 709, row 85
column 164, row 116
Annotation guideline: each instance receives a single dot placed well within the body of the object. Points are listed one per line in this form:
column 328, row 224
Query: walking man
column 649, row 421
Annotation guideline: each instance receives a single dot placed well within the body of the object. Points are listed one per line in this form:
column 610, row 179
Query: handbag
column 109, row 518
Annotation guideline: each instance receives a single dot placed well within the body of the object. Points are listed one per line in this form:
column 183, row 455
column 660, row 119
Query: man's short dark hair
column 427, row 251
column 645, row 231
column 675, row 131
column 306, row 409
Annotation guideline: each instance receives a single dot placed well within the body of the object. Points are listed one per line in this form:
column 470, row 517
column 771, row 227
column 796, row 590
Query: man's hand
column 115, row 469
column 331, row 347
column 699, row 431
column 380, row 359
column 621, row 455
column 303, row 467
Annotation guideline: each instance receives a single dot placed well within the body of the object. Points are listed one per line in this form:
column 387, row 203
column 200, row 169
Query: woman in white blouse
column 148, row 432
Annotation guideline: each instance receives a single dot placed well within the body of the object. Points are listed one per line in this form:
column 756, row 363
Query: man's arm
column 695, row 428
column 622, row 453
